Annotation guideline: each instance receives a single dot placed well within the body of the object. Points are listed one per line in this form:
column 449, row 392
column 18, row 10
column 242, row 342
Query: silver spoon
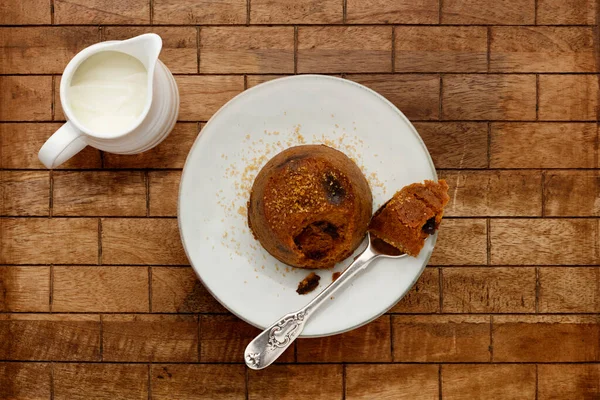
column 272, row 342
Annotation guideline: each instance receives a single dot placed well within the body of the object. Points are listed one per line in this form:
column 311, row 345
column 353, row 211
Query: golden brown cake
column 414, row 213
column 310, row 206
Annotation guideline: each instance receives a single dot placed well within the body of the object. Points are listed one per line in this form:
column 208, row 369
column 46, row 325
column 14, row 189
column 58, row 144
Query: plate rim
column 433, row 238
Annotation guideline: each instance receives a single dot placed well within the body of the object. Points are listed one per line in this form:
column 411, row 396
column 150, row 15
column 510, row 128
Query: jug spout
column 145, row 48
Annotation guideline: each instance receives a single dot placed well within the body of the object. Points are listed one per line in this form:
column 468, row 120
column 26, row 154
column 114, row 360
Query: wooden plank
column 489, row 290
column 441, row 338
column 25, row 381
column 95, row 12
column 392, row 12
column 568, row 381
column 281, row 382
column 423, row 297
column 296, row 12
column 567, row 12
column 24, row 193
column 48, row 241
column 564, row 290
column 31, row 12
column 24, row 289
column 391, row 381
column 568, row 97
column 100, row 289
column 164, row 190
column 488, row 12
column 533, row 338
column 203, row 95
column 332, row 49
column 247, row 50
column 203, row 12
column 99, row 193
column 572, row 193
column 461, row 242
column 51, row 337
column 26, row 98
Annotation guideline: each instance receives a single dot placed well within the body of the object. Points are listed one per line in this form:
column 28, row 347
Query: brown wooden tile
column 200, row 381
column 332, row 49
column 24, row 193
column 489, row 381
column 280, row 382
column 247, row 50
column 179, row 44
column 493, row 193
column 424, row 297
column 455, row 144
column 100, row 289
column 164, row 189
column 19, row 12
column 542, row 49
column 461, row 242
column 48, row 241
column 417, row 96
column 58, row 337
column 20, row 143
column 26, row 98
column 370, row 343
column 556, row 241
column 51, row 48
column 391, row 381
column 178, row 290
column 392, row 12
column 80, row 193
column 59, row 114
column 223, row 338
column 25, row 381
column 296, row 12
column 440, row 48
column 485, row 97
column 96, row 12
column 100, row 381
column 572, row 193
column 201, row 96
column 199, row 12
column 568, row 381
column 568, row 97
column 566, row 12
column 171, row 153
column 542, row 145
column 531, row 338
column 141, row 241
column 488, row 290
column 488, row 12
column 441, row 338
column 569, row 290
column 153, row 338
column 253, row 80
column 25, row 289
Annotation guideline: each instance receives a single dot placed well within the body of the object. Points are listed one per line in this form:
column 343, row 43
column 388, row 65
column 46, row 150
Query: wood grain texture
column 281, row 382
column 296, row 12
column 26, row 98
column 417, row 96
column 488, row 290
column 202, row 95
column 564, row 290
column 95, row 193
column 25, row 381
column 48, row 241
column 392, row 12
column 493, row 193
column 441, row 338
column 141, row 241
column 440, row 49
column 19, row 12
column 455, row 144
column 572, row 193
column 164, row 190
column 57, row 337
column 25, row 289
column 528, row 338
column 150, row 338
column 560, row 381
column 100, row 289
column 100, row 381
column 568, row 97
column 332, row 49
column 542, row 145
column 567, row 12
column 424, row 297
column 199, row 381
column 461, row 242
column 94, row 12
column 488, row 97
column 488, row 12
column 253, row 80
column 391, row 381
column 24, row 193
column 556, row 241
column 542, row 49
column 507, row 381
column 199, row 12
column 368, row 343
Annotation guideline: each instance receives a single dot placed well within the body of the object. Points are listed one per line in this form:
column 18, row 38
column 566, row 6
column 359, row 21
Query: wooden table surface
column 97, row 299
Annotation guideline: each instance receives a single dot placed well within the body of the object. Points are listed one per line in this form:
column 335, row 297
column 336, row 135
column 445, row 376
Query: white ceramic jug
column 151, row 127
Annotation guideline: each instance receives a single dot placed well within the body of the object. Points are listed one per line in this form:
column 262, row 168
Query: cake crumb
column 335, row 275
column 308, row 284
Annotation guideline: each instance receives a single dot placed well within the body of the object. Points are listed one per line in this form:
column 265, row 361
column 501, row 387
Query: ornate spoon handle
column 272, row 342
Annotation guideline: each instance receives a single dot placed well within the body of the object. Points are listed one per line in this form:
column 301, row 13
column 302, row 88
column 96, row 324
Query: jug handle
column 61, row 146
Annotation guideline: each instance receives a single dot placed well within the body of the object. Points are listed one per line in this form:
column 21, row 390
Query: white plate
column 214, row 190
